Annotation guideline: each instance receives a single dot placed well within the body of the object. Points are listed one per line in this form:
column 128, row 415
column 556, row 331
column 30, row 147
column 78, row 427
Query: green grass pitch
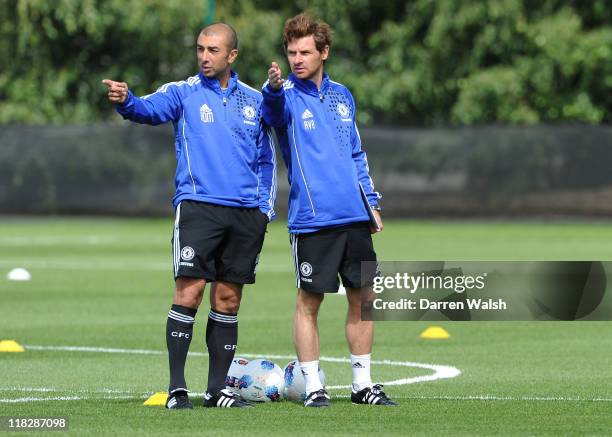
column 107, row 283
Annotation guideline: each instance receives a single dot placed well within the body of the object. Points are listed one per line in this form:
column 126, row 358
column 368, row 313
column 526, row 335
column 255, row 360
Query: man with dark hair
column 333, row 206
column 225, row 189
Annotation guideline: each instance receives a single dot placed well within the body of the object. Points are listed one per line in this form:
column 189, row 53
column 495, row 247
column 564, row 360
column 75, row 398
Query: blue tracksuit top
column 321, row 148
column 224, row 150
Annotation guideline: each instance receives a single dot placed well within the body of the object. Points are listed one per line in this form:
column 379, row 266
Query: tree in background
column 422, row 62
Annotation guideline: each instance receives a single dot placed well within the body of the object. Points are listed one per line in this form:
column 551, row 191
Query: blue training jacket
column 224, row 150
column 321, row 148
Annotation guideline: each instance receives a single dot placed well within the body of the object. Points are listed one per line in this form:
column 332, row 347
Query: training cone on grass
column 435, row 333
column 10, row 346
column 19, row 274
column 158, row 399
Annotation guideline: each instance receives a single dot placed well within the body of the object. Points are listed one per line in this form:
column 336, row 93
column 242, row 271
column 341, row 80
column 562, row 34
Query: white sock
column 310, row 371
column 361, row 372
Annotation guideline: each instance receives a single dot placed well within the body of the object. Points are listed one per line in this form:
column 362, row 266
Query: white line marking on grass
column 108, row 350
column 30, row 389
column 87, row 265
column 33, row 399
column 64, row 390
column 95, row 264
column 69, row 398
column 421, row 398
column 440, row 371
column 509, row 398
column 54, row 240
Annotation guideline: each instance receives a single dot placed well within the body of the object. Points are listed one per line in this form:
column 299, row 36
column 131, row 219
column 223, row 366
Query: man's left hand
column 378, row 220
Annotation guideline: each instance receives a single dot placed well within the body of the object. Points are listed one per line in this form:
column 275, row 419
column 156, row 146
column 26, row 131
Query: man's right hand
column 275, row 78
column 117, row 91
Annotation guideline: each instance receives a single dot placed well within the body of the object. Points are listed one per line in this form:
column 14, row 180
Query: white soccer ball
column 235, row 372
column 295, row 386
column 262, row 381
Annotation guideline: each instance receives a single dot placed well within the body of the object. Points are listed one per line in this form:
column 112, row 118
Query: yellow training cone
column 157, row 399
column 10, row 346
column 435, row 333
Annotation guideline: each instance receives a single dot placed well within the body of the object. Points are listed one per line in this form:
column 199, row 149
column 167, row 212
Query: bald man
column 225, row 191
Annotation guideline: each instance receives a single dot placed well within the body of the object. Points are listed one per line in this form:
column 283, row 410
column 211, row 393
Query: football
column 262, row 381
column 295, row 387
column 235, row 372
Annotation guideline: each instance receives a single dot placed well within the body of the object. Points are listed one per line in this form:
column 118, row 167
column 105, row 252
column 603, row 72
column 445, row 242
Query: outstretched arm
column 274, row 107
column 154, row 109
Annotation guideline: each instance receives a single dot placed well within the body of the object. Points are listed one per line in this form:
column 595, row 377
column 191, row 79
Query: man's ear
column 325, row 53
column 231, row 57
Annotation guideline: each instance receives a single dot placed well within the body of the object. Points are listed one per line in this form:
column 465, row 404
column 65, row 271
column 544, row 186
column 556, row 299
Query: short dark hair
column 304, row 25
column 234, row 36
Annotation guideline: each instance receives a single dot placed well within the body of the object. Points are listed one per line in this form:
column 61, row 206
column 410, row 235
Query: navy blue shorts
column 217, row 243
column 324, row 257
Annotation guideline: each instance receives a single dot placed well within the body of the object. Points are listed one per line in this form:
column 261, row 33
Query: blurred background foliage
column 409, row 63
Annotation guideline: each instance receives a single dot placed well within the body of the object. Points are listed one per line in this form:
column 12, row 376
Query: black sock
column 179, row 330
column 221, row 340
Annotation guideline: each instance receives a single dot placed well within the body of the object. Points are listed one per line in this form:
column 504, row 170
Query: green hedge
column 417, row 63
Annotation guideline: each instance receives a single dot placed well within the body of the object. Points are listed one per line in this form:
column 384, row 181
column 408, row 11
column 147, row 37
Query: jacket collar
column 214, row 85
column 308, row 86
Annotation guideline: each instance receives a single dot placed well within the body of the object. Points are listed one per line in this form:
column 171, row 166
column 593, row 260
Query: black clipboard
column 373, row 221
